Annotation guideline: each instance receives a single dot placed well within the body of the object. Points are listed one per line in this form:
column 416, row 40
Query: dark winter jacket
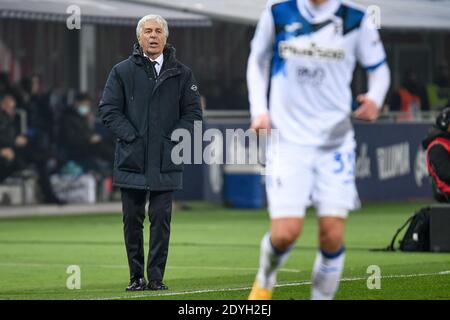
column 142, row 111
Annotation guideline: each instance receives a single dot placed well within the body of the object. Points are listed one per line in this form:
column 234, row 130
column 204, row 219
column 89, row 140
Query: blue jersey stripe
column 286, row 14
column 374, row 66
column 351, row 17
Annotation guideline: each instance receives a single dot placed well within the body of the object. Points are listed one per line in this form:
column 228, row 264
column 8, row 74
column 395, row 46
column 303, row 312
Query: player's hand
column 7, row 153
column 368, row 109
column 261, row 122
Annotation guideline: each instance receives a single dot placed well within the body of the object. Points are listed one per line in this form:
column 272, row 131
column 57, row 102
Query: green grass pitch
column 213, row 255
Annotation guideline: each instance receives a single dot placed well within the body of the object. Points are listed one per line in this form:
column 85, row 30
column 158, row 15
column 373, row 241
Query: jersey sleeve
column 370, row 51
column 258, row 67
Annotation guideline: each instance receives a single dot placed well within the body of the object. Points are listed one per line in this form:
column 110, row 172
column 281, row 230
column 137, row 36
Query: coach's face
column 152, row 39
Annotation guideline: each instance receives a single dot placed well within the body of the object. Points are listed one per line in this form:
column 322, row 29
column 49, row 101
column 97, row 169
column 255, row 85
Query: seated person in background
column 16, row 153
column 438, row 92
column 79, row 139
column 409, row 98
column 5, row 86
column 437, row 146
column 7, row 136
column 40, row 116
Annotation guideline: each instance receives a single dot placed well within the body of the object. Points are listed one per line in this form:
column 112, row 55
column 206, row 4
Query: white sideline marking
column 124, row 266
column 205, row 268
column 301, row 283
column 55, row 210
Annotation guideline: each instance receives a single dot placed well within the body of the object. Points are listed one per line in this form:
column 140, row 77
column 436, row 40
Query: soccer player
column 299, row 72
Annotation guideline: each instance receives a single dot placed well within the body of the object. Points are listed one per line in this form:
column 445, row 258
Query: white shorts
column 298, row 177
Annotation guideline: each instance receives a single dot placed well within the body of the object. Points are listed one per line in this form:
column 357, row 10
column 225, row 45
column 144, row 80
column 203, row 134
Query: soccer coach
column 146, row 98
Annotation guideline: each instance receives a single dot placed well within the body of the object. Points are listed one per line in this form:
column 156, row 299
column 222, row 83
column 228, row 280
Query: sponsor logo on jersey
column 312, row 76
column 289, row 50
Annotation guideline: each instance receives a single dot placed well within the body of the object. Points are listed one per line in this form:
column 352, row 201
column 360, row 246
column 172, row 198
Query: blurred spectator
column 408, row 98
column 80, row 141
column 7, row 135
column 16, row 152
column 438, row 92
column 40, row 119
column 5, row 86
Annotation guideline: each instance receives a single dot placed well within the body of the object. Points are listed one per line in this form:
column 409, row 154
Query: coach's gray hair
column 152, row 17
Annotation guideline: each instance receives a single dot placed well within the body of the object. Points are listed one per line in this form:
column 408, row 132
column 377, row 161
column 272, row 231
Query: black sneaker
column 156, row 285
column 137, row 285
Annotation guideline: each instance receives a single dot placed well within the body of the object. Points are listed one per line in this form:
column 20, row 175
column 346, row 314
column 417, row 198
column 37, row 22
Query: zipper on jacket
column 158, row 80
column 147, row 165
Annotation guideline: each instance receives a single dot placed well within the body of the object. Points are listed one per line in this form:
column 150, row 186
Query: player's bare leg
column 275, row 248
column 329, row 261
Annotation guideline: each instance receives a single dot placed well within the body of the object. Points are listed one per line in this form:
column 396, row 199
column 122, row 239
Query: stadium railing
column 391, row 117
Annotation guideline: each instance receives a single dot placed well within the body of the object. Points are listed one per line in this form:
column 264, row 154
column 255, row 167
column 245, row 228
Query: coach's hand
column 368, row 109
column 261, row 122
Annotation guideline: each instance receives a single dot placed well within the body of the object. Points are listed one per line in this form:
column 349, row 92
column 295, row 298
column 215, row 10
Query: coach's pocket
column 131, row 156
column 167, row 164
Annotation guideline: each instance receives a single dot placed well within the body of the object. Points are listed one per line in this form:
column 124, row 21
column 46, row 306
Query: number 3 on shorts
column 345, row 163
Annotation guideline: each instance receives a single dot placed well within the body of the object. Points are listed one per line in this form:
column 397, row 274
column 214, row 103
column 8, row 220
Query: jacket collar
column 159, row 60
column 170, row 60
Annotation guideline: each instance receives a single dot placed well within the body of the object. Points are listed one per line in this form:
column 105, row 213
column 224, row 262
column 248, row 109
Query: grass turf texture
column 212, row 251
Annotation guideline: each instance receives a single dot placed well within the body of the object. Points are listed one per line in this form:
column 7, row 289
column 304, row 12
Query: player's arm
column 371, row 55
column 258, row 70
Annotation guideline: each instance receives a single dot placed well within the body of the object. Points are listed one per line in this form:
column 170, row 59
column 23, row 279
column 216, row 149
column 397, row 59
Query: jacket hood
column 434, row 133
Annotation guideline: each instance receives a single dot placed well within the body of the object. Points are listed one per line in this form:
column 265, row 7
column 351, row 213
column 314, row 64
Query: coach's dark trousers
column 159, row 211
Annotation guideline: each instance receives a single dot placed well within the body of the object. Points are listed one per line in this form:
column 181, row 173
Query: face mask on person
column 83, row 109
